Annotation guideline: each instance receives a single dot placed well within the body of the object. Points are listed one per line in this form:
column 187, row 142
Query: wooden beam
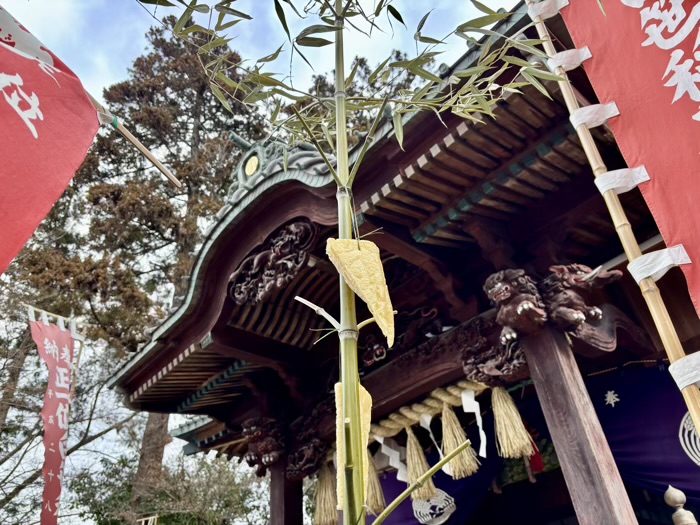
column 286, row 498
column 594, row 483
column 393, row 240
column 253, row 348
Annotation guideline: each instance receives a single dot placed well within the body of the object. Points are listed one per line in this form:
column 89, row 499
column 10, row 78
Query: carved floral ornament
column 274, row 264
column 561, row 298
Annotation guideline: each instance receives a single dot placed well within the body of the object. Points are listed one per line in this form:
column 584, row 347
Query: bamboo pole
column 353, row 497
column 649, row 289
column 128, row 136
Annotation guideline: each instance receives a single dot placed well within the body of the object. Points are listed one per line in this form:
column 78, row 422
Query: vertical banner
column 56, row 347
column 646, row 59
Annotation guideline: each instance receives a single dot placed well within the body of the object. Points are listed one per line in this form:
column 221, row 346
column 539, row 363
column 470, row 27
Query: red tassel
column 536, row 461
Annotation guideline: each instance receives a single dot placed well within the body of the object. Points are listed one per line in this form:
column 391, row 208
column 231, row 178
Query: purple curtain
column 644, row 418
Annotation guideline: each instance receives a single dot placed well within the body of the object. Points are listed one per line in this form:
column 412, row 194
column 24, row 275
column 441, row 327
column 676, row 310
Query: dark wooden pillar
column 286, row 498
column 591, row 475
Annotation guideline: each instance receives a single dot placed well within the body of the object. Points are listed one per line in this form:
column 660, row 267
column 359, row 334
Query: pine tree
column 118, row 247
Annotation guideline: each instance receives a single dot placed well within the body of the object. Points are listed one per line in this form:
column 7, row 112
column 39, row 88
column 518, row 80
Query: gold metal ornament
column 252, row 165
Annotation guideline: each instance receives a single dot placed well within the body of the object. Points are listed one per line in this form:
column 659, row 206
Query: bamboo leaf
column 271, row 57
column 312, row 41
column 158, row 2
column 483, row 8
column 223, row 26
column 379, row 8
column 373, row 76
column 427, row 39
column 535, row 83
column 422, row 21
column 471, row 71
column 294, row 8
column 282, row 18
column 351, row 76
column 219, row 94
column 182, row 21
column 276, row 111
column 544, row 75
column 196, row 28
column 398, row 128
column 424, row 73
column 395, row 13
column 517, row 61
column 482, row 21
column 317, row 28
column 229, row 11
column 218, row 42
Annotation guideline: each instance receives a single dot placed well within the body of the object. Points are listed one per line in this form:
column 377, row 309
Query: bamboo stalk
column 353, row 497
column 128, row 136
column 650, row 291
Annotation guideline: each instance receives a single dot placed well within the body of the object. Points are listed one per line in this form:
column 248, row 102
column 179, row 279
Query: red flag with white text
column 56, row 348
column 646, row 59
column 47, row 124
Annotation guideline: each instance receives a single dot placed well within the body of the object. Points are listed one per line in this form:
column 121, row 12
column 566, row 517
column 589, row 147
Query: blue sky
column 99, row 39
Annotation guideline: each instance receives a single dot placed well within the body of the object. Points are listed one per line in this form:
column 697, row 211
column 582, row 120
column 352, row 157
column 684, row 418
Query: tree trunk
column 155, row 437
column 15, row 366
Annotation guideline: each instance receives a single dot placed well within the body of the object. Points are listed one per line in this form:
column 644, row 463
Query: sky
column 99, row 39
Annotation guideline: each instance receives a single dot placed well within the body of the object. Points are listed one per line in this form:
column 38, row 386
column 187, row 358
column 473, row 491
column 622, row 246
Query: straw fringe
column 326, row 502
column 512, row 438
column 417, row 466
column 466, row 463
column 375, row 495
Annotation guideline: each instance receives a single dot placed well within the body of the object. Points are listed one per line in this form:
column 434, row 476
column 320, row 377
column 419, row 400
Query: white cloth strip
column 622, row 180
column 656, row 264
column 686, row 371
column 391, row 450
column 471, row 406
column 545, row 9
column 105, row 119
column 569, row 59
column 425, row 420
column 31, row 314
column 594, row 115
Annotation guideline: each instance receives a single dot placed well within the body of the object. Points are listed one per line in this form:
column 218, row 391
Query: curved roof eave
column 227, row 217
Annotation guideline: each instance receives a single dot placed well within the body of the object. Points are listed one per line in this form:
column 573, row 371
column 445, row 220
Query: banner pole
column 144, row 151
column 648, row 287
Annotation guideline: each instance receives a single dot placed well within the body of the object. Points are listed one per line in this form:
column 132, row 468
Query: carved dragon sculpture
column 566, row 289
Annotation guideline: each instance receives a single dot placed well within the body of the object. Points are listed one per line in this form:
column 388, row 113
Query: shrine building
column 467, row 215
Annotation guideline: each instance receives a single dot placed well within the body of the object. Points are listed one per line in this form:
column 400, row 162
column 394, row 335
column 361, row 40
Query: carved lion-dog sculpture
column 265, row 443
column 520, row 307
column 565, row 291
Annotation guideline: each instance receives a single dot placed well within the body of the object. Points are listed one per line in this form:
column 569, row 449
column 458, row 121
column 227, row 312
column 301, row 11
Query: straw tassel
column 466, row 463
column 417, row 466
column 326, row 501
column 375, row 495
column 512, row 438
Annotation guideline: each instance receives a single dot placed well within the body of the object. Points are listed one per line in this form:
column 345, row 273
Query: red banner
column 56, row 350
column 47, row 124
column 646, row 59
